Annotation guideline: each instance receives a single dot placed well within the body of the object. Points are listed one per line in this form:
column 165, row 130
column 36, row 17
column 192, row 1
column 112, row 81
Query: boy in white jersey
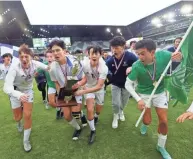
column 60, row 70
column 95, row 71
column 7, row 57
column 146, row 72
column 18, row 85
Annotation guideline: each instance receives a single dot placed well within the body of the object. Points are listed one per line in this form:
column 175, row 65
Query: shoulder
column 171, row 49
column 161, row 53
column 130, row 55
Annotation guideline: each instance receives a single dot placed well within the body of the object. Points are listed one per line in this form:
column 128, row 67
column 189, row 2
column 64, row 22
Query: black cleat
column 84, row 121
column 76, row 134
column 91, row 138
column 96, row 120
column 61, row 115
column 58, row 112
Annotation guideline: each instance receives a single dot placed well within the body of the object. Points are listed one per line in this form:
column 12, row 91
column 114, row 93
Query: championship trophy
column 66, row 96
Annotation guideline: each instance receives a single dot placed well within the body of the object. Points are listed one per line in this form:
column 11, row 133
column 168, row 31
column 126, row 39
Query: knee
column 147, row 121
column 67, row 116
column 17, row 117
column 27, row 115
column 76, row 115
column 52, row 103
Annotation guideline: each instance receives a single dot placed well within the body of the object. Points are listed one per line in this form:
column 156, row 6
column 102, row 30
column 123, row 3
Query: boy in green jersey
column 146, row 72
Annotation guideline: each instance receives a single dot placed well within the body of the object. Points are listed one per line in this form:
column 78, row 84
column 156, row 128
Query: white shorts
column 15, row 103
column 51, row 90
column 78, row 99
column 158, row 100
column 98, row 96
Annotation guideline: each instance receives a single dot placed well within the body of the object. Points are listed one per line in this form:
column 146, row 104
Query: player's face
column 25, row 59
column 177, row 42
column 117, row 50
column 49, row 57
column 58, row 53
column 7, row 59
column 145, row 56
column 105, row 55
column 94, row 56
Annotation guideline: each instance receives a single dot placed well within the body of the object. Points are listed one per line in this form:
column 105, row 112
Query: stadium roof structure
column 16, row 25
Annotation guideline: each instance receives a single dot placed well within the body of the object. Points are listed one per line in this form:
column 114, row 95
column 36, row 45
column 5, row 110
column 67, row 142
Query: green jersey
column 49, row 81
column 143, row 73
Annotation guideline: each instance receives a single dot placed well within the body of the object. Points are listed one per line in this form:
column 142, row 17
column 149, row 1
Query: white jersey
column 93, row 74
column 21, row 78
column 190, row 109
column 3, row 71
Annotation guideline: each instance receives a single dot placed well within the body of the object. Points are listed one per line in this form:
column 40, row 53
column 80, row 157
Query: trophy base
column 61, row 102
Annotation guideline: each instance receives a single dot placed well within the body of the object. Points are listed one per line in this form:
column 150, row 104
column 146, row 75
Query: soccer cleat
column 163, row 152
column 96, row 120
column 143, row 129
column 61, row 115
column 19, row 127
column 47, row 106
column 121, row 116
column 27, row 146
column 76, row 134
column 115, row 121
column 83, row 120
column 91, row 138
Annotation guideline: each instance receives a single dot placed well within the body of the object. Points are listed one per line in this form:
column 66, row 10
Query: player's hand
column 75, row 86
column 141, row 105
column 128, row 70
column 24, row 98
column 79, row 92
column 184, row 116
column 176, row 56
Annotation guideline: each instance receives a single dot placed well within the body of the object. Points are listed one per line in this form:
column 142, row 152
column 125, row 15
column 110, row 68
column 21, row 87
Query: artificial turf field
column 51, row 138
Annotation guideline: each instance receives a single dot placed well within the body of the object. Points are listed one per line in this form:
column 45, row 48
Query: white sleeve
column 131, row 90
column 104, row 72
column 52, row 73
column 8, row 85
column 40, row 65
column 190, row 109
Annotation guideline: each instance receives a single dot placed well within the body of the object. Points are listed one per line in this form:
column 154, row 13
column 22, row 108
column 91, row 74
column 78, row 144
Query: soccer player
column 18, row 85
column 95, row 71
column 119, row 65
column 7, row 57
column 188, row 115
column 61, row 68
column 146, row 72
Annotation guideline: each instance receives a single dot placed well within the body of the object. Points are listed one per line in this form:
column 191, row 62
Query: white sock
column 162, row 140
column 91, row 124
column 57, row 109
column 96, row 115
column 82, row 113
column 27, row 133
column 74, row 124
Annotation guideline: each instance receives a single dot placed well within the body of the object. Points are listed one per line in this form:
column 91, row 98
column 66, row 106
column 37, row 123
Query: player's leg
column 99, row 97
column 124, row 98
column 82, row 115
column 147, row 116
column 90, row 115
column 72, row 121
column 17, row 112
column 27, row 113
column 160, row 102
column 116, row 103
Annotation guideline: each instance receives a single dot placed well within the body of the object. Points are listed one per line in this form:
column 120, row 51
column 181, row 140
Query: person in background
column 41, row 83
column 132, row 47
column 4, row 68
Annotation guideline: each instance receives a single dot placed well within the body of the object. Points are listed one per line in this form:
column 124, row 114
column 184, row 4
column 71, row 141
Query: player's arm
column 80, row 83
column 186, row 116
column 41, row 65
column 8, row 85
column 57, row 86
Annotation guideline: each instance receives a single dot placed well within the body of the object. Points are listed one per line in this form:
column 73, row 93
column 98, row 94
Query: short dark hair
column 56, row 42
column 180, row 38
column 24, row 48
column 47, row 51
column 118, row 41
column 7, row 55
column 149, row 44
column 78, row 51
column 132, row 42
column 95, row 49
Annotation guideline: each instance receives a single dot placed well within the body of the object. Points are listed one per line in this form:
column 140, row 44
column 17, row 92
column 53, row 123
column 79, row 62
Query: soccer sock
column 57, row 109
column 162, row 140
column 74, row 124
column 27, row 133
column 82, row 113
column 91, row 124
column 96, row 115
